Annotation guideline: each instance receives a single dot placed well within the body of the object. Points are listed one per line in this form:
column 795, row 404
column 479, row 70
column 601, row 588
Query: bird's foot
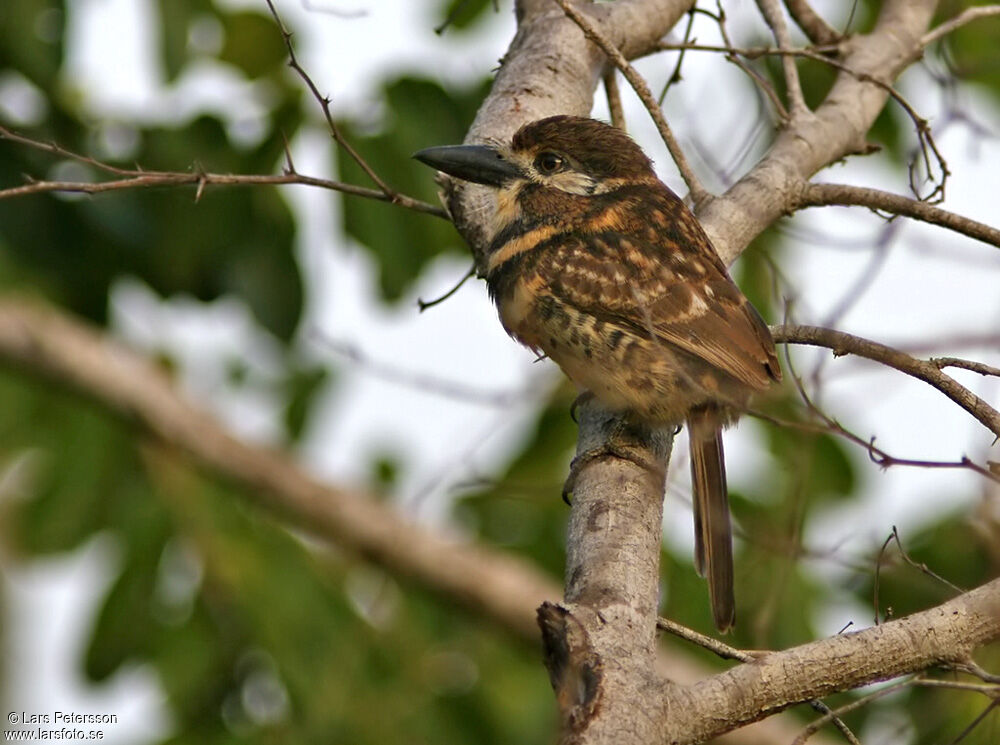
column 577, row 402
column 620, row 445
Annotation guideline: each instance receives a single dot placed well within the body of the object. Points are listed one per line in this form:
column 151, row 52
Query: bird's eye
column 549, row 163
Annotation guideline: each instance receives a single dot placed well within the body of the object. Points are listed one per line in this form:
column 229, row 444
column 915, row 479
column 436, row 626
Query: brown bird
column 599, row 265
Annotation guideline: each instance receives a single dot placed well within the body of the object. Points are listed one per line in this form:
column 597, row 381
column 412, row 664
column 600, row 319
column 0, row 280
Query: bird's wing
column 682, row 297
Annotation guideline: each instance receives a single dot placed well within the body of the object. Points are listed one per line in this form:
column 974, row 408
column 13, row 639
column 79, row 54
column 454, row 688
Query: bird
column 595, row 263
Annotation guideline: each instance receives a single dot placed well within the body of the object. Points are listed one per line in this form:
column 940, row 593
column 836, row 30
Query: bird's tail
column 713, row 533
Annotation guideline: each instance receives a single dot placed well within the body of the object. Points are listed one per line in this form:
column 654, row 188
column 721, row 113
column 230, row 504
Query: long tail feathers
column 713, row 533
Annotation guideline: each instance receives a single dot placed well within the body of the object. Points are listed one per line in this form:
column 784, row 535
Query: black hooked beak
column 477, row 163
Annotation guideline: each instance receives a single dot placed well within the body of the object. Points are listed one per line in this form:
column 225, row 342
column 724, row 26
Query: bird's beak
column 477, row 163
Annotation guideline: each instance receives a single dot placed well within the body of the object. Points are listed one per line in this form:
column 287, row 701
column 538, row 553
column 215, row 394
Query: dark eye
column 549, row 163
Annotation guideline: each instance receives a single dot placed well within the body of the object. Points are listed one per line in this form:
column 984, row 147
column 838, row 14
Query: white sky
column 933, row 284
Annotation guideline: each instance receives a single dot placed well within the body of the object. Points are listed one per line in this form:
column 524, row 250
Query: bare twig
column 876, row 454
column 975, row 722
column 324, row 102
column 842, row 343
column 142, row 179
column 714, row 646
column 927, row 144
column 816, row 195
column 894, row 536
column 919, row 565
column 971, row 667
column 978, row 367
column 811, row 23
column 425, row 304
column 763, row 83
column 614, row 97
column 966, row 16
column 771, row 11
column 590, row 30
column 675, row 76
column 426, row 383
column 987, row 689
column 863, row 701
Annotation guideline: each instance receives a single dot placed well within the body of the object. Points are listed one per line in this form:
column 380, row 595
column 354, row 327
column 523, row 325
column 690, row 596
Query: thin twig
column 971, row 667
column 978, row 367
column 921, row 566
column 138, row 179
column 987, row 689
column 877, row 455
column 817, row 195
column 771, row 11
column 697, row 191
column 975, row 722
column 614, row 96
column 842, row 343
column 324, row 102
column 966, row 16
column 425, row 304
column 675, row 76
column 813, row 728
column 763, row 83
column 727, row 652
column 925, row 137
column 714, row 646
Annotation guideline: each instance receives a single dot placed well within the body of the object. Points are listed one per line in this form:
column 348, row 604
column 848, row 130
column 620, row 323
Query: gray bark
column 600, row 644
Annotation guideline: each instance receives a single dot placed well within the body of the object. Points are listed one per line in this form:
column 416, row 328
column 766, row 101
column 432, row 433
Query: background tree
column 258, row 633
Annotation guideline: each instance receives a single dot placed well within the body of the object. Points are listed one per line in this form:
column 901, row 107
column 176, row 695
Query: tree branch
column 811, row 23
column 550, row 68
column 771, row 11
column 842, row 343
column 141, row 179
column 947, row 633
column 966, row 16
column 592, row 32
column 837, row 129
column 815, row 195
column 42, row 341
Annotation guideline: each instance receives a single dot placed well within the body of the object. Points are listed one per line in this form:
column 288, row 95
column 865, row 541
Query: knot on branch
column 574, row 667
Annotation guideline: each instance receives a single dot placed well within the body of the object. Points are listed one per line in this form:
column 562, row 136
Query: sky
column 931, row 284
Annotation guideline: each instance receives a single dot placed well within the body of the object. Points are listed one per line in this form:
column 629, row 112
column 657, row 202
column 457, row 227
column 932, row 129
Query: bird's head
column 571, row 154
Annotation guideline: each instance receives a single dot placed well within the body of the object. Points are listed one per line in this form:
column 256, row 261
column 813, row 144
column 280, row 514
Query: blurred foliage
column 420, row 114
column 459, row 15
column 971, row 51
column 256, row 637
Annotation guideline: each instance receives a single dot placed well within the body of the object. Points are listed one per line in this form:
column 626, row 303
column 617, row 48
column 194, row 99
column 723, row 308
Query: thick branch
column 40, row 340
column 550, row 68
column 837, row 129
column 947, row 633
